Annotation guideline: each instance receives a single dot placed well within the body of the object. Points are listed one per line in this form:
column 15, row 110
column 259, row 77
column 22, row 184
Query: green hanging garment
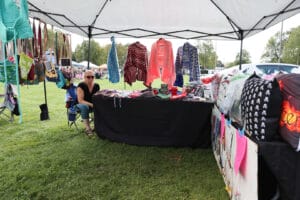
column 14, row 18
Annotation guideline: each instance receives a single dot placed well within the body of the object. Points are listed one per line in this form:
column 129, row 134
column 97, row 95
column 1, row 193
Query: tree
column 273, row 50
column 219, row 64
column 207, row 55
column 98, row 53
column 246, row 58
column 291, row 50
column 81, row 52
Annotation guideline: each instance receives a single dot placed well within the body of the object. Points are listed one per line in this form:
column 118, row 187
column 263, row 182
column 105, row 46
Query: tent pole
column 280, row 49
column 89, row 49
column 56, row 48
column 241, row 49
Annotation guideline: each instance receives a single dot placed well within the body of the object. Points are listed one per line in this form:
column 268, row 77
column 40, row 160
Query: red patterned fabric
column 136, row 64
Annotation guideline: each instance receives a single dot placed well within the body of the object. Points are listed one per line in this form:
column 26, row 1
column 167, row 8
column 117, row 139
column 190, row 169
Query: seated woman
column 85, row 91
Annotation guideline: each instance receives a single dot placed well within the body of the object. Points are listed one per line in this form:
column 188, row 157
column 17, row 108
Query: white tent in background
column 85, row 64
column 76, row 64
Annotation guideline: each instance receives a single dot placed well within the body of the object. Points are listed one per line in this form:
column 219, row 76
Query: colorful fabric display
column 290, row 115
column 261, row 107
column 161, row 63
column 136, row 64
column 112, row 63
column 240, row 151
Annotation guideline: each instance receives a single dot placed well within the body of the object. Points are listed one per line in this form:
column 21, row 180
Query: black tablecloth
column 154, row 122
column 284, row 165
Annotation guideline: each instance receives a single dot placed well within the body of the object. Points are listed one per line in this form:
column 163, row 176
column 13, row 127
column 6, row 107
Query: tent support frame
column 241, row 49
column 89, row 49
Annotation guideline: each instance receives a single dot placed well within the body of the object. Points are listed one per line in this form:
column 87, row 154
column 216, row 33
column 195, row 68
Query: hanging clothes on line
column 161, row 64
column 112, row 63
column 136, row 64
column 187, row 58
column 190, row 61
column 178, row 68
column 45, row 36
column 34, row 40
column 39, row 40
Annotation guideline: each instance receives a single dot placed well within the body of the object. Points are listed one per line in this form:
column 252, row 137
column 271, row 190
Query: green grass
column 49, row 160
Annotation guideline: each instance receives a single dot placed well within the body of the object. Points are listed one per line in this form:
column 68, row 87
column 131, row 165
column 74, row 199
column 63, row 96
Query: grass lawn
column 49, row 160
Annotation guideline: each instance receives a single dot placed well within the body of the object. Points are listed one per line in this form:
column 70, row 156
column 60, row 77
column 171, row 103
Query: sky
column 226, row 50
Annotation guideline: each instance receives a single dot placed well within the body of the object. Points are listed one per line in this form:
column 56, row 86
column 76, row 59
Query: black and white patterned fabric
column 260, row 104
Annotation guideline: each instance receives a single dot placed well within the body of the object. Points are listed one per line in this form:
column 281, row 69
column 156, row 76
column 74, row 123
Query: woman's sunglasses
column 90, row 77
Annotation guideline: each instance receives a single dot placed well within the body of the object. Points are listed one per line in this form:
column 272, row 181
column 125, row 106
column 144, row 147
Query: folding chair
column 3, row 114
column 9, row 103
column 73, row 113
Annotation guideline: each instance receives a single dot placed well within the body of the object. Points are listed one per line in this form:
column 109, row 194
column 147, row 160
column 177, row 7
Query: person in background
column 85, row 91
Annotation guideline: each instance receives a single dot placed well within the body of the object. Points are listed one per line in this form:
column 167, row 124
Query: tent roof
column 190, row 19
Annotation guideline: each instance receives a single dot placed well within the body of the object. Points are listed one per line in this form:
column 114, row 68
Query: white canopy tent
column 86, row 63
column 190, row 19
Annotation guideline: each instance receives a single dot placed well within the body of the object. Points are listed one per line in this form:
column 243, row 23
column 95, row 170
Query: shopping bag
column 50, row 72
column 25, row 64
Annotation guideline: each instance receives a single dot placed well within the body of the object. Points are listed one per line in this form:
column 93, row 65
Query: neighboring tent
column 193, row 19
column 76, row 64
column 103, row 67
column 85, row 64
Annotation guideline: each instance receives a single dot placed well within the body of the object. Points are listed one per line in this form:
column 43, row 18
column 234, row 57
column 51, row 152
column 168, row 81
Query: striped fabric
column 190, row 61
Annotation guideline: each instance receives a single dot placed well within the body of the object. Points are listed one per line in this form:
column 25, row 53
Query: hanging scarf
column 45, row 36
column 34, row 41
column 40, row 49
column 112, row 63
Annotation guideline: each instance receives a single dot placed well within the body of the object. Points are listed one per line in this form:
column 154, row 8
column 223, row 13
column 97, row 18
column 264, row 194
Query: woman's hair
column 88, row 72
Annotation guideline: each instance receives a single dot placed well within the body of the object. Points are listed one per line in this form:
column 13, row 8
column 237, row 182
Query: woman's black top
column 87, row 95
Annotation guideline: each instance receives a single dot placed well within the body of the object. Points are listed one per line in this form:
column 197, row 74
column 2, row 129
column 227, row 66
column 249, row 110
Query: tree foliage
column 246, row 58
column 99, row 54
column 273, row 50
column 207, row 55
column 291, row 50
column 81, row 52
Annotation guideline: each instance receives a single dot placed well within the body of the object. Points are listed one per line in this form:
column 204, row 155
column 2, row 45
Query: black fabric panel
column 261, row 108
column 284, row 164
column 153, row 122
column 267, row 184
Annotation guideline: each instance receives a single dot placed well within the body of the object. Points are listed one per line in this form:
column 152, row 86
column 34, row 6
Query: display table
column 151, row 121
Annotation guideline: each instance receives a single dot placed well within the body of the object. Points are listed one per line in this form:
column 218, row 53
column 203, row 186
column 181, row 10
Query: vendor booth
column 246, row 161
